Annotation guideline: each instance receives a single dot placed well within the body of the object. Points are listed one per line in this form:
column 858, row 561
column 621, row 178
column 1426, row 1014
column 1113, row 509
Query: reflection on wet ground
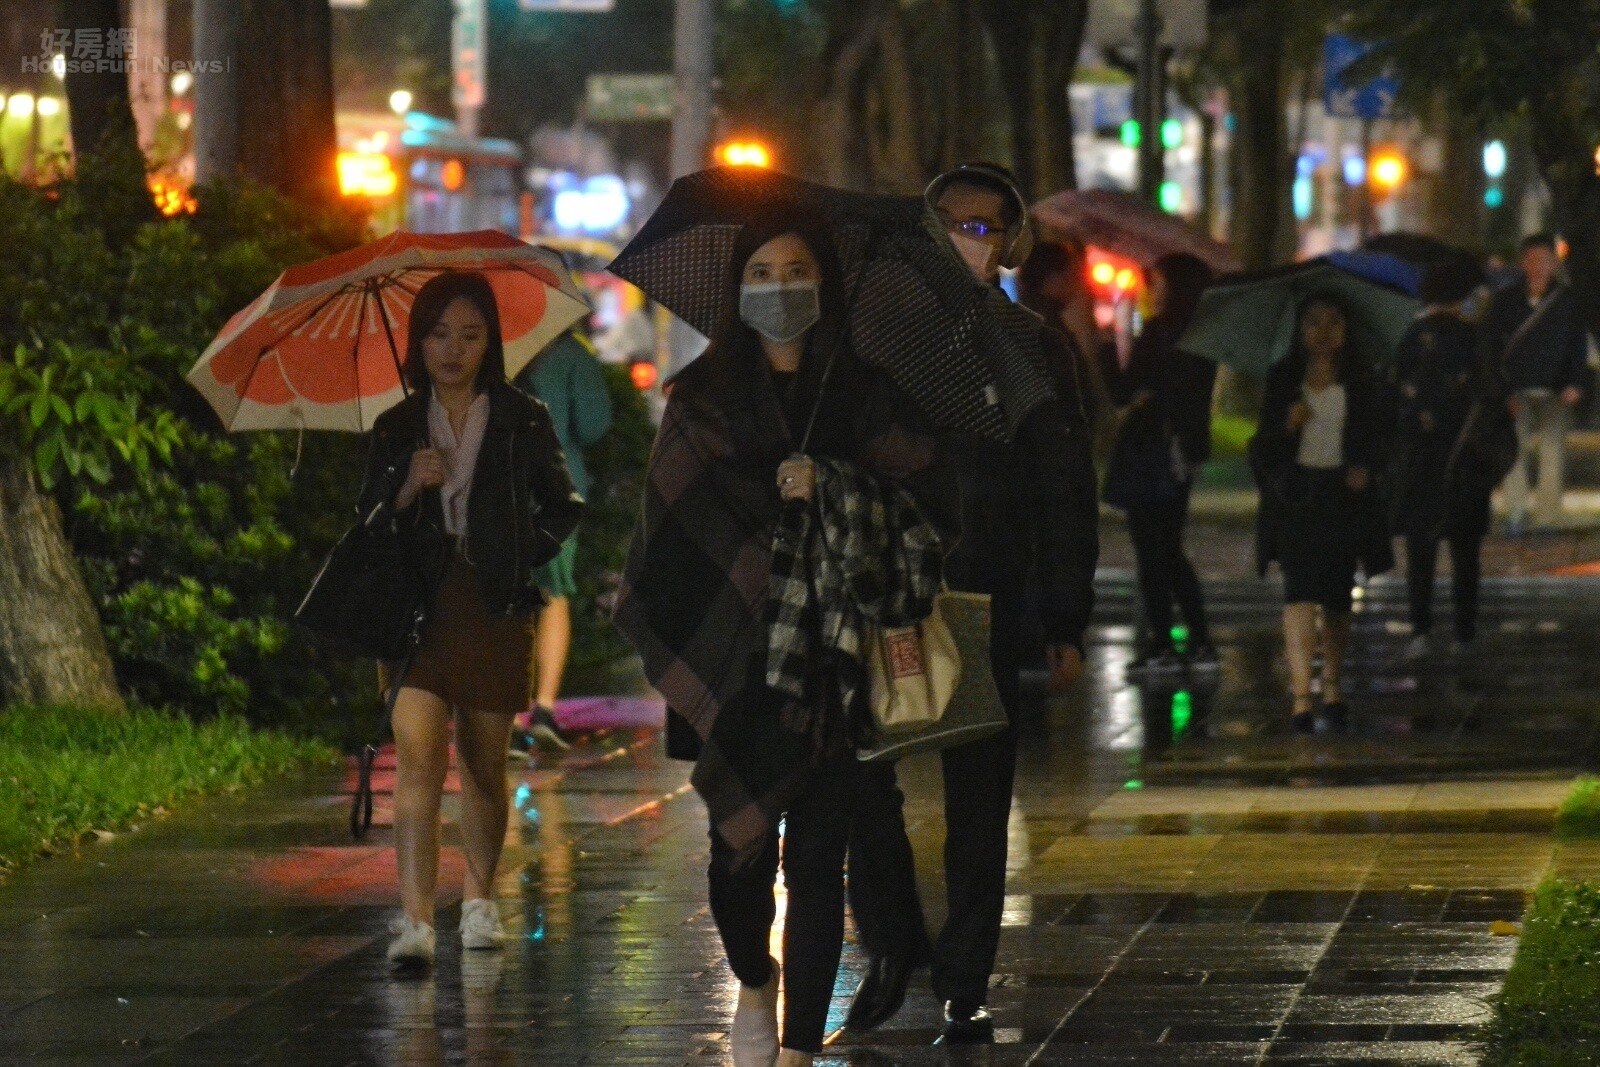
column 1190, row 884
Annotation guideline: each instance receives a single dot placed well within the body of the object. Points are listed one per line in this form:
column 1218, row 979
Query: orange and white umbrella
column 322, row 348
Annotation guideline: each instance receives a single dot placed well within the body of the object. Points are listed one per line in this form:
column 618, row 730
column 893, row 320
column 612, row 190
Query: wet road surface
column 1189, row 883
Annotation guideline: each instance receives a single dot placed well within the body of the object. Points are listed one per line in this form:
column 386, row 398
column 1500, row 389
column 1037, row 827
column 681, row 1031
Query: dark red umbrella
column 1122, row 223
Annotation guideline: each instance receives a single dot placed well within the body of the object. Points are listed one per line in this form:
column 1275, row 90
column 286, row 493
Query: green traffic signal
column 1172, row 134
column 1131, row 133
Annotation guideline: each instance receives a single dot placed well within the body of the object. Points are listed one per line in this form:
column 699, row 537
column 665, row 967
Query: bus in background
column 424, row 175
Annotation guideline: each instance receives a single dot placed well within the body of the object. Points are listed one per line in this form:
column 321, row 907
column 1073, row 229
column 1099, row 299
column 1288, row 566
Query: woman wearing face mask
column 1320, row 439
column 696, row 603
column 480, row 487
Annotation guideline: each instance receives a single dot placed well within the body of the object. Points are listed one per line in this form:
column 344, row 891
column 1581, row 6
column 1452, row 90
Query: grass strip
column 66, row 772
column 1548, row 1014
column 1580, row 812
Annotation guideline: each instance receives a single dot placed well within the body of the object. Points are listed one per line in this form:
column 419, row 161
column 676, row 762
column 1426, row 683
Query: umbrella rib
column 244, row 390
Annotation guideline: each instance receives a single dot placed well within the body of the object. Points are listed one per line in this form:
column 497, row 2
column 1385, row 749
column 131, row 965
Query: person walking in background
column 1319, row 443
column 1005, row 510
column 1164, row 438
column 568, row 379
column 1051, row 283
column 479, row 485
column 1443, row 389
column 1535, row 329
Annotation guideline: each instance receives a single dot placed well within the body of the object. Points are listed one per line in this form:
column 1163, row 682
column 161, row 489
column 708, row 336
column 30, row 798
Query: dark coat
column 1440, row 375
column 1553, row 353
column 1027, row 508
column 695, row 597
column 1274, row 449
column 1180, row 384
column 522, row 504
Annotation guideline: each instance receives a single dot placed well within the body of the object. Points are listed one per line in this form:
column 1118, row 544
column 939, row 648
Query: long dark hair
column 1347, row 364
column 734, row 362
column 1187, row 277
column 428, row 308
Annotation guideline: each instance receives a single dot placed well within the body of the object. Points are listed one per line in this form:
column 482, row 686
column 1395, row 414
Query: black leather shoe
column 880, row 994
column 966, row 1028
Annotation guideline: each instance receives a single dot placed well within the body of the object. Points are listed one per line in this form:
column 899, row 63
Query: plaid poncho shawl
column 693, row 600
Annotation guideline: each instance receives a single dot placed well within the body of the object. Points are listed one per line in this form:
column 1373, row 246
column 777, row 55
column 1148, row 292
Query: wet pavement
column 1189, row 883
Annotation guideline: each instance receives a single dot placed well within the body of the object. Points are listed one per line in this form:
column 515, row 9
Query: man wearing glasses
column 1008, row 511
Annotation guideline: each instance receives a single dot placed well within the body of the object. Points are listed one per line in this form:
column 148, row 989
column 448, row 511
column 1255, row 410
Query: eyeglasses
column 971, row 227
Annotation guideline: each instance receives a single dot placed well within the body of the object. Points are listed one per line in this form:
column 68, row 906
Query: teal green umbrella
column 1248, row 322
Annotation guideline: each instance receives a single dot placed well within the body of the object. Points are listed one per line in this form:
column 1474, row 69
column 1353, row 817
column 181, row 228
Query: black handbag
column 370, row 598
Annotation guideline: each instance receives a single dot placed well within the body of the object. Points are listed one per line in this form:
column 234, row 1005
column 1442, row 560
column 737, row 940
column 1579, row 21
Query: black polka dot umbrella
column 915, row 310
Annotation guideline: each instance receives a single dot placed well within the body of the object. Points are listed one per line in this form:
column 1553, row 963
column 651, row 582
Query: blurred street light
column 744, row 154
column 366, row 174
column 20, row 105
column 400, row 101
column 1388, row 170
column 49, row 105
column 182, row 82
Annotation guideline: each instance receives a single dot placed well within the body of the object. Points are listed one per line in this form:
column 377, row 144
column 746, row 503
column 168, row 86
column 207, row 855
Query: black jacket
column 1027, row 507
column 1553, row 353
column 522, row 505
column 1180, row 384
column 1275, row 449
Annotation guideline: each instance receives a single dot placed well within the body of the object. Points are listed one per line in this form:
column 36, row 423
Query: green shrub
column 1548, row 1014
column 65, row 772
column 197, row 560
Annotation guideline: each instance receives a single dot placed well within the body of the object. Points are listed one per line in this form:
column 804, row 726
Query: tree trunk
column 959, row 135
column 898, row 141
column 101, row 115
column 1455, row 208
column 1056, row 42
column 52, row 648
column 1260, row 174
column 286, row 130
column 216, row 89
column 841, row 144
column 1010, row 29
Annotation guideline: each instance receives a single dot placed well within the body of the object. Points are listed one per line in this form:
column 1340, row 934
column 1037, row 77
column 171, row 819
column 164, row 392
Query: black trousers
column 816, row 833
column 978, row 779
column 1466, row 570
column 1166, row 577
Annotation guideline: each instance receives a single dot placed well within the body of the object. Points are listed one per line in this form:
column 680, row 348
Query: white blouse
column 1322, row 439
column 460, row 457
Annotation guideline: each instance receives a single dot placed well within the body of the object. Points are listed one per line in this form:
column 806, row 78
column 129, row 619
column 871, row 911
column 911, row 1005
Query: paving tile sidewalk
column 1299, row 916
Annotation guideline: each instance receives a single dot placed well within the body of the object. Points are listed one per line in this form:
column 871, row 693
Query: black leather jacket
column 522, row 505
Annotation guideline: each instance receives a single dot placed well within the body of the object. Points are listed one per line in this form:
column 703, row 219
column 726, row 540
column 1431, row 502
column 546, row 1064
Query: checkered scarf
column 859, row 554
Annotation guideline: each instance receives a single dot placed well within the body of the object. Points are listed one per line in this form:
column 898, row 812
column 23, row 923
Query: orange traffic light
column 644, row 374
column 744, row 154
column 1388, row 170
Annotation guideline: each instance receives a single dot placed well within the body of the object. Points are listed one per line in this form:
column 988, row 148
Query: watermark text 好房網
column 95, row 50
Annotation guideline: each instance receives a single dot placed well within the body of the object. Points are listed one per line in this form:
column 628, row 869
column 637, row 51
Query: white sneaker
column 480, row 925
column 413, row 944
column 753, row 1037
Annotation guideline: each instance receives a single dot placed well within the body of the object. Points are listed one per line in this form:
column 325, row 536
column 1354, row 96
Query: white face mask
column 981, row 256
column 780, row 311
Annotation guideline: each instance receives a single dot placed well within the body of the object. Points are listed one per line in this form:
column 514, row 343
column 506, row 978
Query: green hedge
column 65, row 772
column 1548, row 1014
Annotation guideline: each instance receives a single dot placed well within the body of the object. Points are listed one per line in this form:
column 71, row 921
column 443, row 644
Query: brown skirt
column 469, row 658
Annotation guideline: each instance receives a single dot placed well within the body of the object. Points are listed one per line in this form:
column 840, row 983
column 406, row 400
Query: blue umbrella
column 1380, row 267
